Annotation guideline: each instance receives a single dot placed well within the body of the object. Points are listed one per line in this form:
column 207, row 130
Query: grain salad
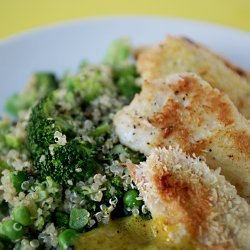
column 62, row 166
column 109, row 158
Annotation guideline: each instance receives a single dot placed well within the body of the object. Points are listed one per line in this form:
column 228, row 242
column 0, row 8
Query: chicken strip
column 183, row 110
column 178, row 54
column 183, row 190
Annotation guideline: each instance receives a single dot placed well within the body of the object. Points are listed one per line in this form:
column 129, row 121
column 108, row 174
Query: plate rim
column 43, row 28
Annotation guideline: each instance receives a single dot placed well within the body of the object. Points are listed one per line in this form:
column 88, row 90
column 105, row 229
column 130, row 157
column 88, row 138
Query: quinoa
column 83, row 106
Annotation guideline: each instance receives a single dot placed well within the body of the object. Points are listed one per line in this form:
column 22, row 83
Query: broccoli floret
column 116, row 184
column 89, row 89
column 72, row 161
column 125, row 80
column 89, row 83
column 39, row 85
column 119, row 53
column 44, row 121
column 62, row 219
column 120, row 57
column 5, row 125
column 8, row 140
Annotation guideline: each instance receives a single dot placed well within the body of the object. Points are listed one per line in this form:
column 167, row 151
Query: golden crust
column 177, row 54
column 239, row 71
column 184, row 190
column 170, row 118
column 183, row 110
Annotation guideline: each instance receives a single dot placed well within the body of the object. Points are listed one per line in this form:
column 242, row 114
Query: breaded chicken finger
column 182, row 190
column 184, row 110
column 178, row 54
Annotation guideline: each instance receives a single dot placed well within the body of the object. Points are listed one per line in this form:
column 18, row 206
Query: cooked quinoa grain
column 60, row 156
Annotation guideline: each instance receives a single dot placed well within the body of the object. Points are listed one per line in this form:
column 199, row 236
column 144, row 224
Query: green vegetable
column 135, row 157
column 62, row 219
column 12, row 141
column 116, row 183
column 89, row 83
column 89, row 89
column 124, row 72
column 66, row 238
column 12, row 229
column 119, row 53
column 71, row 152
column 130, row 199
column 44, row 121
column 102, row 129
column 47, row 188
column 4, row 209
column 72, row 162
column 78, row 218
column 42, row 192
column 18, row 179
column 22, row 215
column 5, row 243
column 62, row 161
column 40, row 85
column 45, row 82
column 125, row 80
column 5, row 125
column 2, row 234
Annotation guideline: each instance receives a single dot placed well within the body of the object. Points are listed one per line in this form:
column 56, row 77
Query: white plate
column 61, row 47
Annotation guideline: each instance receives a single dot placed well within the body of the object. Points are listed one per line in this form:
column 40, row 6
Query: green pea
column 22, row 215
column 12, row 229
column 78, row 218
column 129, row 199
column 118, row 149
column 12, row 141
column 2, row 235
column 18, row 179
column 66, row 238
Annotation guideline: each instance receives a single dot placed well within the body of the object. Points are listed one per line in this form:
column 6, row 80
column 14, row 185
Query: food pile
column 62, row 165
column 148, row 150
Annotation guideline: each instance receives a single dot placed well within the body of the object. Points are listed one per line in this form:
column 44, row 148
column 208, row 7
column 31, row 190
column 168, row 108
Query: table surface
column 22, row 15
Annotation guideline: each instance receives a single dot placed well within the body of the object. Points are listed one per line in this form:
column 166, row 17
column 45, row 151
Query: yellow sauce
column 133, row 233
